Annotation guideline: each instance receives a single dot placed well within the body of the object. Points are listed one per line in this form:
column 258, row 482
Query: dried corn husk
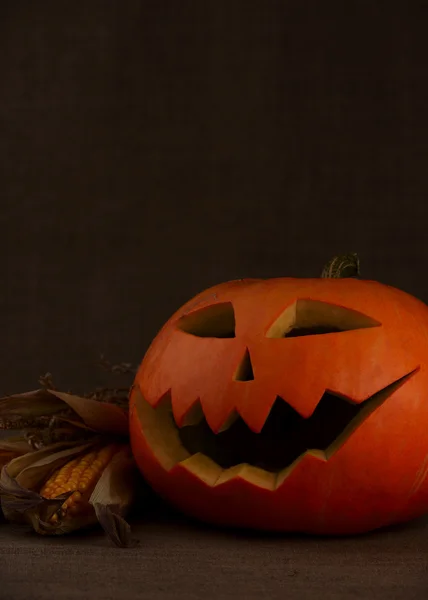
column 56, row 428
column 40, row 408
column 22, row 476
column 22, row 479
column 11, row 448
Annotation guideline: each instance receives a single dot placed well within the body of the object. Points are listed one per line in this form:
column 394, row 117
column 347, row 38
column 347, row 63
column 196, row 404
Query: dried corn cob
column 98, row 486
column 79, row 476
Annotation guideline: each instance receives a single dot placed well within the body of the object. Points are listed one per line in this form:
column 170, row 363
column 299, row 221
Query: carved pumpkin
column 289, row 404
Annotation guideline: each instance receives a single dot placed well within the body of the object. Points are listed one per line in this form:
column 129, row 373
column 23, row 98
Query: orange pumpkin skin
column 378, row 474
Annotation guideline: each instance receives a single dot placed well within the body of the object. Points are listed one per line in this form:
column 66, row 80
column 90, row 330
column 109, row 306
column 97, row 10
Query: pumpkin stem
column 345, row 265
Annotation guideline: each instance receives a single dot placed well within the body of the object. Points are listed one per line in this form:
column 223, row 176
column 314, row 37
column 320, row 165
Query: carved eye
column 217, row 320
column 312, row 317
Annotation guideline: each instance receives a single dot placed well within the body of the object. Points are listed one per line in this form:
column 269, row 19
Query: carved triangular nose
column 244, row 372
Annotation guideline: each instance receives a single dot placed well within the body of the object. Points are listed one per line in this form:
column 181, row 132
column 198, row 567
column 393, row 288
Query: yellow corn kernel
column 79, row 476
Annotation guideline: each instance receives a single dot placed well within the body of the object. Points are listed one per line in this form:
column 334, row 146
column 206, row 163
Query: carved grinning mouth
column 265, row 458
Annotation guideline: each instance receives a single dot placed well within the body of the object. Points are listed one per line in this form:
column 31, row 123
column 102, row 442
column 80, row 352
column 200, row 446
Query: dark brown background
column 149, row 149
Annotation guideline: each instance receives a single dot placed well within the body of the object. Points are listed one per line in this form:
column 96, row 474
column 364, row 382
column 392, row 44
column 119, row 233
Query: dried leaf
column 121, row 368
column 11, row 448
column 18, row 503
column 22, row 476
column 114, row 525
column 17, row 445
column 56, row 427
column 38, row 438
column 40, row 408
column 21, row 503
column 40, row 519
column 109, row 502
column 21, row 410
column 32, row 469
column 100, row 416
column 113, row 496
column 46, row 381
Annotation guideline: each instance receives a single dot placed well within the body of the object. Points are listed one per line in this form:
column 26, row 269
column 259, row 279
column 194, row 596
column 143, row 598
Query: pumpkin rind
column 378, row 476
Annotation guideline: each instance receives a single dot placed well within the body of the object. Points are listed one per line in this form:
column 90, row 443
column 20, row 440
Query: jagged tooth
column 233, row 416
column 164, row 401
column 303, row 410
column 254, row 475
column 284, row 473
column 193, row 416
column 160, row 431
column 203, row 467
column 255, row 416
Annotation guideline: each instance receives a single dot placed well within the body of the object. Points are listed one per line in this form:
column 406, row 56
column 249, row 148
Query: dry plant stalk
column 72, row 465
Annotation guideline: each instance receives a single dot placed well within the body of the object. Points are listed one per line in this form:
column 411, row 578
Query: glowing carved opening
column 312, row 317
column 265, row 458
column 245, row 370
column 217, row 320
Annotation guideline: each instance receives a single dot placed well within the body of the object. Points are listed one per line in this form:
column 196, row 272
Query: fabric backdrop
column 151, row 148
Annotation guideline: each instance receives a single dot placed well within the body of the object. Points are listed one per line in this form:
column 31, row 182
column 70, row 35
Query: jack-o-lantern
column 289, row 404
